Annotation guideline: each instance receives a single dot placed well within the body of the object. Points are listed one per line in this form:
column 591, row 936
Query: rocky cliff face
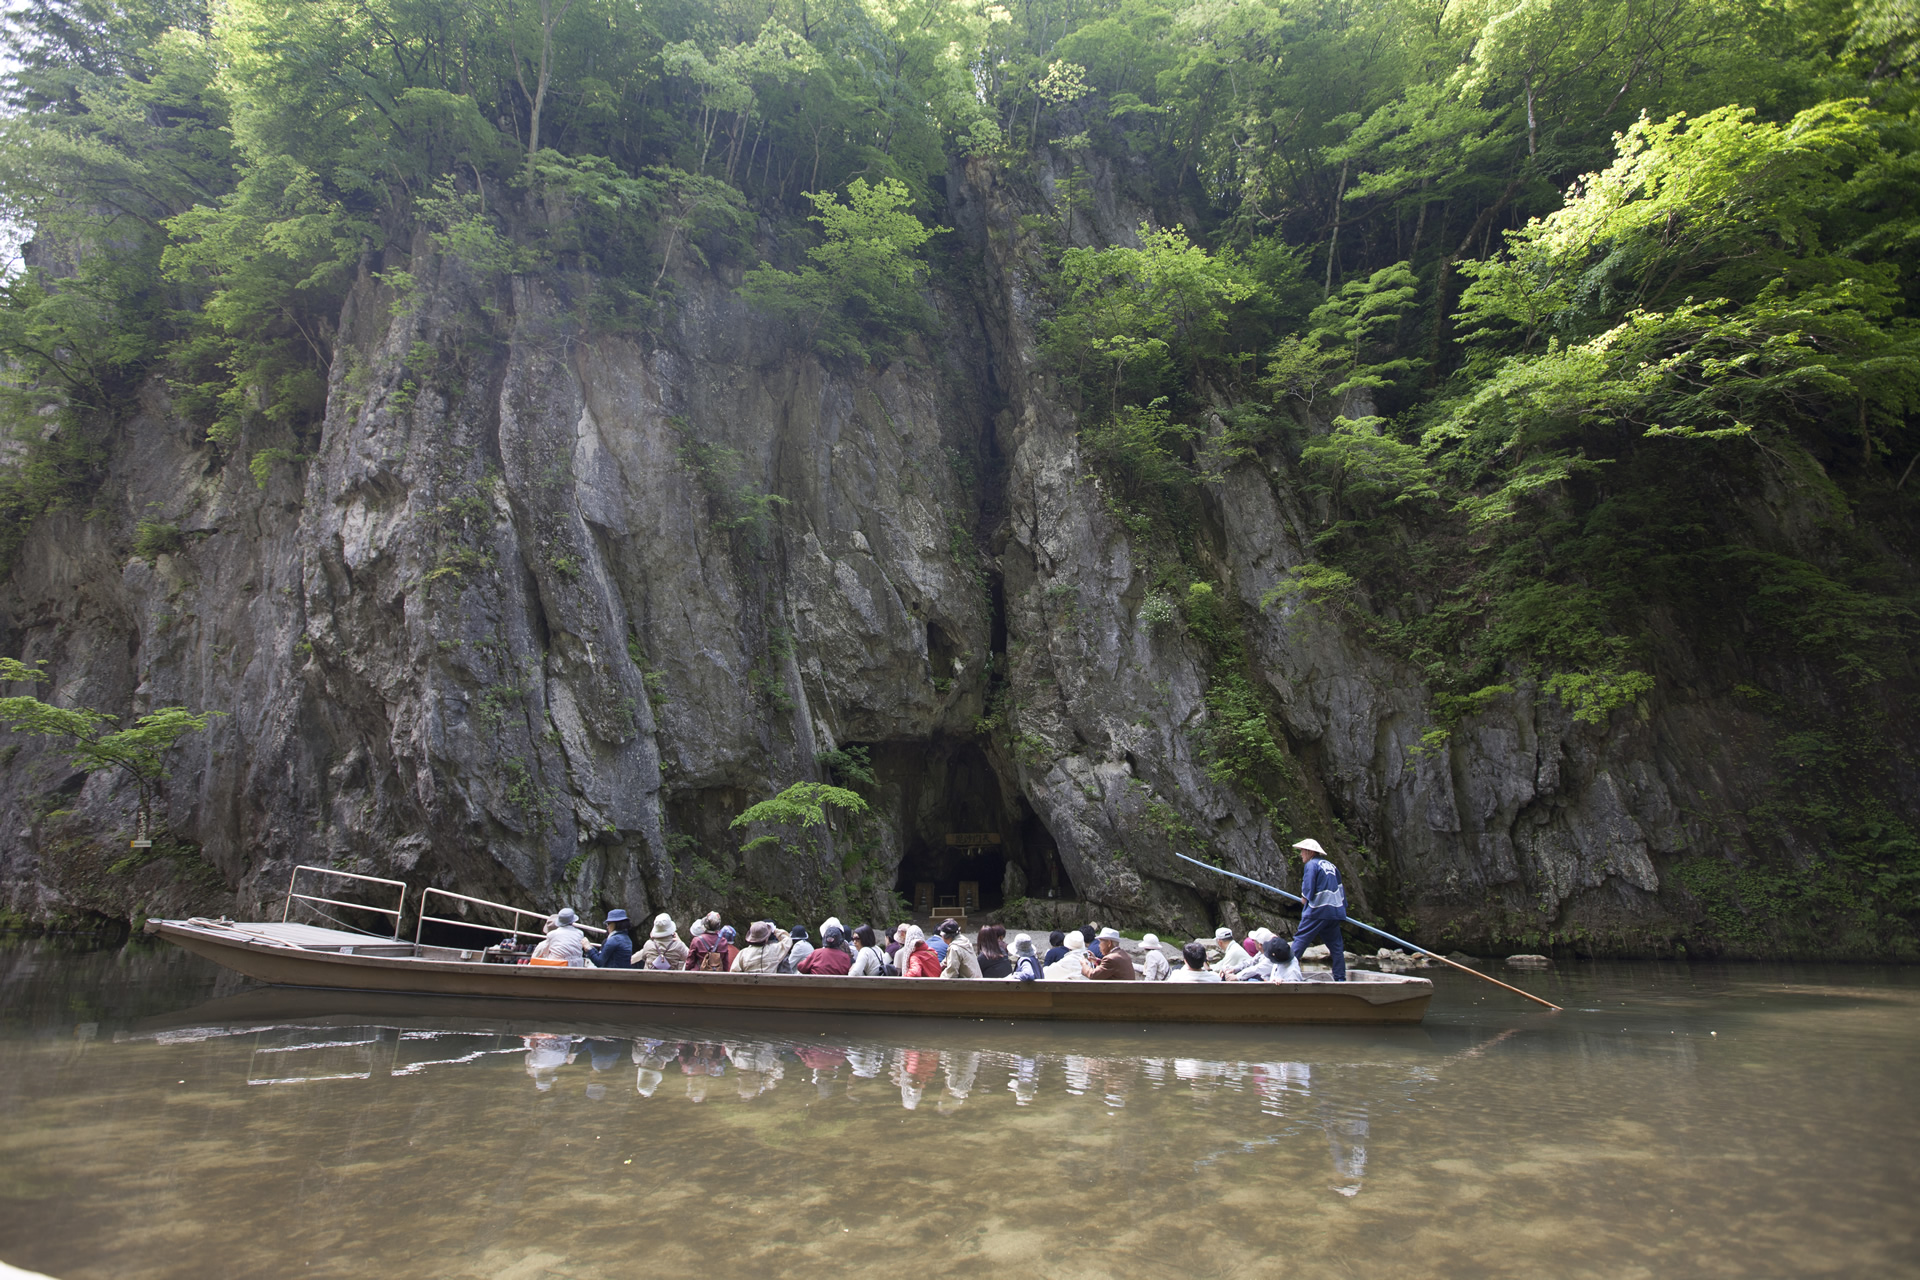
column 544, row 609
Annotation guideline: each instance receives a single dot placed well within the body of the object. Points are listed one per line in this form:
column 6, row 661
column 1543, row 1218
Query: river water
column 165, row 1119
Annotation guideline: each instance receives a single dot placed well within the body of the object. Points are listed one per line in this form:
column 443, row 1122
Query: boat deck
column 314, row 938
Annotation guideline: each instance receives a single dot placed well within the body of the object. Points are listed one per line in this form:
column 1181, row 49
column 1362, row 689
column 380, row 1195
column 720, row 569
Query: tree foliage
column 139, row 751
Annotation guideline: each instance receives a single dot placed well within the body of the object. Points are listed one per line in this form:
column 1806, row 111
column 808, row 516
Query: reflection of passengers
column 650, row 1057
column 546, row 1054
column 702, row 1063
column 757, row 1067
column 913, row 1071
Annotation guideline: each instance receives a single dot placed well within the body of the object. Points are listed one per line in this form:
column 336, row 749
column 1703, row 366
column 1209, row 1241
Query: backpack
column 713, row 959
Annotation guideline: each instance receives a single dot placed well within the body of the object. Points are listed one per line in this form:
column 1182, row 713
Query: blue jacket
column 1320, row 887
column 615, row 953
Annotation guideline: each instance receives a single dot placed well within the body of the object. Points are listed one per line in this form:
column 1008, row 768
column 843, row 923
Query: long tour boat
column 292, row 953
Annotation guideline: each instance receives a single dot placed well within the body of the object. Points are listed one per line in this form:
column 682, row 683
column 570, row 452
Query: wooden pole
column 1358, row 924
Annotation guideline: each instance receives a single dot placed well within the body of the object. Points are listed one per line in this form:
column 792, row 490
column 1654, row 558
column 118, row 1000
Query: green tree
column 1131, row 319
column 858, row 296
column 139, row 751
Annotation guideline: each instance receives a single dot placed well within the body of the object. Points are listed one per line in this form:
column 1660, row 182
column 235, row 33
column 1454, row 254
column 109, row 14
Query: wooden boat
column 288, row 953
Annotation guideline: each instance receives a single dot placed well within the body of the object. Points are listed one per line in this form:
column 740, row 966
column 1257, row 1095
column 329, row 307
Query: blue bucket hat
column 615, row 916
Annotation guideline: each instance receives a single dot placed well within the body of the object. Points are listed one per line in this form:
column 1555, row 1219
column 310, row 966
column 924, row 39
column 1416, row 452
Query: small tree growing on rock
column 140, row 751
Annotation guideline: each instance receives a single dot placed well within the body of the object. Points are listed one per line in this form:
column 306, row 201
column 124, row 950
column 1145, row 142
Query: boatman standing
column 1325, row 904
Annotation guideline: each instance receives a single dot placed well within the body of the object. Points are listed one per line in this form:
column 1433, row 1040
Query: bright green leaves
column 1802, row 335
column 858, row 297
column 803, row 805
column 1129, row 319
column 1349, row 346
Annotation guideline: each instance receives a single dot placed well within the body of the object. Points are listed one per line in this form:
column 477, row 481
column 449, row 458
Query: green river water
column 165, row 1119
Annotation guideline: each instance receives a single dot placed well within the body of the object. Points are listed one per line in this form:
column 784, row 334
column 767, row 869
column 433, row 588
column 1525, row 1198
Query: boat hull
column 1370, row 999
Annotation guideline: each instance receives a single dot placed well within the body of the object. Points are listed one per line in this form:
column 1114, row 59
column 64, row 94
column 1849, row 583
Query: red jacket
column 923, row 963
column 827, row 962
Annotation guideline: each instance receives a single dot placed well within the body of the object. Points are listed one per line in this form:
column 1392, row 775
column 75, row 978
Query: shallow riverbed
column 165, row 1119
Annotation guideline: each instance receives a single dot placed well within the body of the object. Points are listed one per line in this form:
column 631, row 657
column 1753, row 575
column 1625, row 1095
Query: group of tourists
column 1094, row 954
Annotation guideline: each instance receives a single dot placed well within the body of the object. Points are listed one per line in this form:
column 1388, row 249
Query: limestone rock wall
column 545, row 608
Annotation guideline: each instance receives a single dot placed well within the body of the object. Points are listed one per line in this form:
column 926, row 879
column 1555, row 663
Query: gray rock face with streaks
column 545, row 609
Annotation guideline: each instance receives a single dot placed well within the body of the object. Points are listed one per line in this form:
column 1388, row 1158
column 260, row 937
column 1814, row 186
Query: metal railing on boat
column 426, row 895
column 394, row 911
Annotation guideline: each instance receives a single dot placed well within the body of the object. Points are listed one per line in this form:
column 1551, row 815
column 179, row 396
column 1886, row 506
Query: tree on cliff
column 139, row 752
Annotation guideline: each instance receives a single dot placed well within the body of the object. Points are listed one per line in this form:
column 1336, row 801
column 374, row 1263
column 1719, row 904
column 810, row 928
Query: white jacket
column 1184, row 974
column 564, row 942
column 1153, row 965
column 867, row 963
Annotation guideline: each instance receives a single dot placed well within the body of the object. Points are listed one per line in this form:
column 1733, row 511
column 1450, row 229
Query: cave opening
column 970, row 841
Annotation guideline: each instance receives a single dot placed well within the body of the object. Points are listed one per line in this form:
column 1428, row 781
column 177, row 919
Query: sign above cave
column 973, row 837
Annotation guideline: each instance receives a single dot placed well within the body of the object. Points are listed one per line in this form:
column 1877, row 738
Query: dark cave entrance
column 970, row 840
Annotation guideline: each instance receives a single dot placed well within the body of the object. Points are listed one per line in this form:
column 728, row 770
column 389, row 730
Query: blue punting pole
column 1294, row 897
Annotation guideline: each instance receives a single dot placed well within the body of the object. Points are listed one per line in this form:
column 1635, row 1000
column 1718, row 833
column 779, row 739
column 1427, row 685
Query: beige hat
column 759, row 934
column 1311, row 845
column 1264, row 935
column 662, row 926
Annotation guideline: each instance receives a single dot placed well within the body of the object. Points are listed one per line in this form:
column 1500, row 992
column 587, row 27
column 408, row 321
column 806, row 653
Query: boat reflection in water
column 670, row 1067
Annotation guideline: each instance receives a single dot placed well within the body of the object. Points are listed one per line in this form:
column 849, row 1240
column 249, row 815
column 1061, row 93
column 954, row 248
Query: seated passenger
column 1233, row 956
column 1260, row 967
column 766, row 948
column 799, row 949
column 1026, row 965
column 959, row 960
column 1056, row 947
column 1108, row 963
column 1195, row 968
column 1067, row 967
column 870, row 961
column 916, row 958
column 938, row 941
column 617, row 951
column 663, row 948
column 830, row 959
column 994, row 961
column 564, row 941
column 710, row 949
column 1154, row 967
column 1286, row 965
